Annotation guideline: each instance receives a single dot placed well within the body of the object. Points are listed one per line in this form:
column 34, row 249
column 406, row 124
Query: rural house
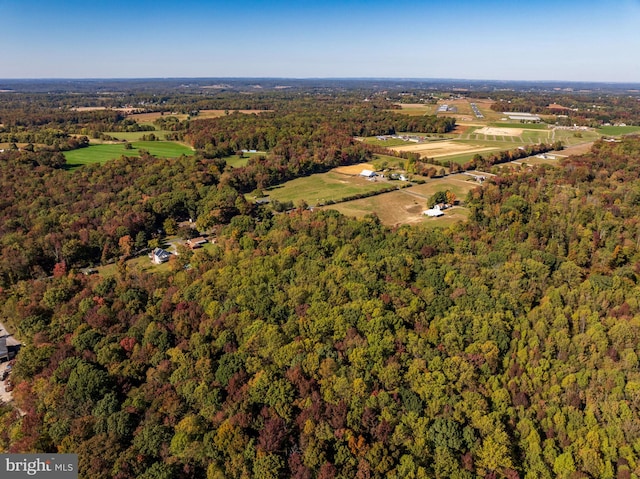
column 159, row 256
column 194, row 243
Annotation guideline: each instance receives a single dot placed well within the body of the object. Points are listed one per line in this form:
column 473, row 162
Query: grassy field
column 237, row 162
column 141, row 263
column 380, row 162
column 618, row 130
column 525, row 126
column 474, row 139
column 406, row 206
column 570, row 137
column 106, row 152
column 416, row 109
column 325, row 187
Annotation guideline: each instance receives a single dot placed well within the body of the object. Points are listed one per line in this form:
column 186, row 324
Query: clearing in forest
column 405, row 206
column 324, row 187
column 104, row 153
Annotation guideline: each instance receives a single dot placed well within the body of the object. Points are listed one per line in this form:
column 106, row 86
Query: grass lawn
column 237, row 162
column 387, row 161
column 415, row 109
column 465, row 157
column 617, row 130
column 106, row 152
column 570, row 137
column 141, row 263
column 325, row 187
column 536, row 136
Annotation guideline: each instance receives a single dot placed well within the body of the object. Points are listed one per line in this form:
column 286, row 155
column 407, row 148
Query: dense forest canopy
column 311, row 345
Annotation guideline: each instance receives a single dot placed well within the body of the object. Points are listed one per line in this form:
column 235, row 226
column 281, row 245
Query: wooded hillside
column 310, row 345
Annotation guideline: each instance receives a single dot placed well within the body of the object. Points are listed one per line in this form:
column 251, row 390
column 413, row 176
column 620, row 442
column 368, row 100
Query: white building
column 159, row 256
column 433, row 212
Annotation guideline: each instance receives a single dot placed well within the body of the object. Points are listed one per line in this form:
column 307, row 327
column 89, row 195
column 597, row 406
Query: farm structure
column 367, row 173
column 447, row 108
column 195, row 243
column 433, row 212
column 526, row 117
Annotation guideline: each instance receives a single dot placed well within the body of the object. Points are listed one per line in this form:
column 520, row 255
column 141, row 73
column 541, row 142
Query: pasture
column 406, row 206
column 416, row 109
column 106, row 152
column 477, row 138
column 618, row 130
column 324, row 187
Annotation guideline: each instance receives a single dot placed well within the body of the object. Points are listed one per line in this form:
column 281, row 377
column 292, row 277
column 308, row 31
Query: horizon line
column 315, row 78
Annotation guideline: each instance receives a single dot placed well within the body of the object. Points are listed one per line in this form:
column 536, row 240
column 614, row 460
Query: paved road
column 11, row 341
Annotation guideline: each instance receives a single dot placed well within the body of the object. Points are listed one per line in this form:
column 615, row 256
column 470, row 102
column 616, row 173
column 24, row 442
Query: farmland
column 483, row 138
column 401, row 206
column 326, row 187
column 149, row 118
column 406, row 206
column 416, row 109
column 360, row 338
column 618, row 130
column 106, row 152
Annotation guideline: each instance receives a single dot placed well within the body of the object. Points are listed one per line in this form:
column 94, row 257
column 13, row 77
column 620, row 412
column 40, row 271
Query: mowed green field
column 324, row 187
column 618, row 130
column 106, row 152
column 237, row 162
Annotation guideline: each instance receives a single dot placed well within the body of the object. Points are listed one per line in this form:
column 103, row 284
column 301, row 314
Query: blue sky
column 494, row 39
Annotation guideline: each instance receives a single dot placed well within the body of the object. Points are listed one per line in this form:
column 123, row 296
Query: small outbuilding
column 194, row 243
column 433, row 212
column 367, row 173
